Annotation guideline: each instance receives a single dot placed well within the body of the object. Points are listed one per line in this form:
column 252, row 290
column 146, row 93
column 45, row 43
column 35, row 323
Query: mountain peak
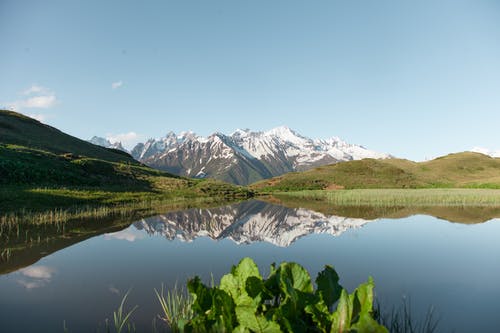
column 281, row 130
column 103, row 142
column 286, row 134
column 241, row 132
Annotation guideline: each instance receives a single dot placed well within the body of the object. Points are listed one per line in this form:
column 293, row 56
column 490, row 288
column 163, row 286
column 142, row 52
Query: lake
column 80, row 277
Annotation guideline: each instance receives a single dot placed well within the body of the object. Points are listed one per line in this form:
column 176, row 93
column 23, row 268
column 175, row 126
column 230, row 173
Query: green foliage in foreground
column 284, row 302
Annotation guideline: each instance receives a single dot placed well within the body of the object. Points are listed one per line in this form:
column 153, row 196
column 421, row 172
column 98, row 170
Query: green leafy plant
column 284, row 302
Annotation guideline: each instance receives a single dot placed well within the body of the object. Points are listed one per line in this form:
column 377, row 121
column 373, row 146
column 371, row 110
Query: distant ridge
column 244, row 156
column 467, row 169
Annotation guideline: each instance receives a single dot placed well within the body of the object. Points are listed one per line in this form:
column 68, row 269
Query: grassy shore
column 20, row 205
column 402, row 197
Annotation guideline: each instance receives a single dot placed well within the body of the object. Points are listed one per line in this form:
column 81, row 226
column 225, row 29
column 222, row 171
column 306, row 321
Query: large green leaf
column 231, row 285
column 293, row 293
column 213, row 307
column 366, row 324
column 291, row 316
column 296, row 276
column 320, row 315
column 222, row 310
column 365, row 295
column 255, row 288
column 241, row 329
column 235, row 283
column 245, row 269
column 341, row 318
column 328, row 285
column 202, row 299
column 249, row 319
column 362, row 299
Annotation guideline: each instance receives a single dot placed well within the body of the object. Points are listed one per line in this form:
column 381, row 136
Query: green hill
column 43, row 168
column 455, row 170
column 18, row 129
column 35, row 154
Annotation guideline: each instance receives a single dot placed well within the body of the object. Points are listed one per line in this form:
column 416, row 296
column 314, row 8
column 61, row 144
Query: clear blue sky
column 413, row 78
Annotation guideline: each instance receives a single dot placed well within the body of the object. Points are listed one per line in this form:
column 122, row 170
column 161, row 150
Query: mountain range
column 244, row 156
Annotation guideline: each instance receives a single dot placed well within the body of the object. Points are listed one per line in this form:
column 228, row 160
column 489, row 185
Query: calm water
column 80, row 280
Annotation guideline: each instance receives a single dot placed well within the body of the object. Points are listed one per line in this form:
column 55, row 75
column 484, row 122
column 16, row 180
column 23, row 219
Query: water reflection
column 127, row 235
column 245, row 223
column 453, row 267
column 279, row 221
column 35, row 276
column 456, row 214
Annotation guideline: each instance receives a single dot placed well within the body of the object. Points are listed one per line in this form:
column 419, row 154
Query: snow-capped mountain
column 245, row 156
column 247, row 222
column 106, row 143
column 242, row 157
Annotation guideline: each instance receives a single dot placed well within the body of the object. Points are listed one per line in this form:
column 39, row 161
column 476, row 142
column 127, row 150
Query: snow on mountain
column 246, row 223
column 245, row 156
column 106, row 143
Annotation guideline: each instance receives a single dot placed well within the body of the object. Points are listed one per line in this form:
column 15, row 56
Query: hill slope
column 35, row 154
column 465, row 169
column 18, row 129
column 42, row 168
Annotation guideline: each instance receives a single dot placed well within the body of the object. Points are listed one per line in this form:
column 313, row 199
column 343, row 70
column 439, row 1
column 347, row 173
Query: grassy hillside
column 18, row 129
column 466, row 169
column 42, row 168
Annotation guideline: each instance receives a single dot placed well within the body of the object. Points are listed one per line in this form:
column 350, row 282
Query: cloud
column 128, row 140
column 31, row 284
column 114, row 290
column 37, row 102
column 127, row 234
column 116, row 85
column 36, row 89
column 486, row 151
column 37, row 272
column 35, row 276
column 36, row 97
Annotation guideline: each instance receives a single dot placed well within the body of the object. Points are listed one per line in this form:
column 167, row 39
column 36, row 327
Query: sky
column 416, row 79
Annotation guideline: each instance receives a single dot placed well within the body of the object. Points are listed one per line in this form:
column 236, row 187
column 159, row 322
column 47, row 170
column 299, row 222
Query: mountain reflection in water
column 278, row 221
column 248, row 222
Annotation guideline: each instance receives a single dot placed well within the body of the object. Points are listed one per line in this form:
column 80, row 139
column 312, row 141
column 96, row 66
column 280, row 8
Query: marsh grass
column 10, row 222
column 121, row 317
column 176, row 306
column 5, row 254
column 402, row 320
column 402, row 197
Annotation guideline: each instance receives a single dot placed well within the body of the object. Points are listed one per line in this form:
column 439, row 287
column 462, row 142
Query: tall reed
column 176, row 306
